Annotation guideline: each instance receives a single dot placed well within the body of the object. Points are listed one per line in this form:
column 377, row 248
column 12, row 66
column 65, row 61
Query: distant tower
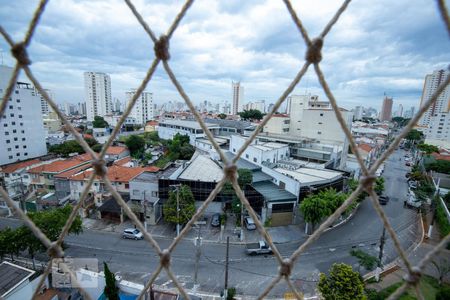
column 238, row 96
column 386, row 109
column 97, row 89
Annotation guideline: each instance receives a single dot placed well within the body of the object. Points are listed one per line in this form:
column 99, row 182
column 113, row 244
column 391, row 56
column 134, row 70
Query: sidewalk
column 209, row 234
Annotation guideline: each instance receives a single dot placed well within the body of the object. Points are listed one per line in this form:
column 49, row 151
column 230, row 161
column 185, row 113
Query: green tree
column 353, row 185
column 186, row 204
column 99, row 122
column 111, row 291
column 136, row 145
column 69, row 147
column 314, row 208
column 414, row 135
column 366, row 260
column 97, row 148
column 10, row 243
column 428, row 149
column 251, row 114
column 341, row 284
column 441, row 166
column 222, row 116
column 379, row 185
column 245, row 178
column 180, row 148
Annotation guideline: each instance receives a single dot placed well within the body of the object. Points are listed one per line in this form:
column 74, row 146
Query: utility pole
column 145, row 213
column 382, row 241
column 198, row 243
column 225, row 293
column 242, row 222
column 178, row 211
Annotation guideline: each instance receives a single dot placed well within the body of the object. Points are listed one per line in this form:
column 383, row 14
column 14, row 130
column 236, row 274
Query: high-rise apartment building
column 22, row 134
column 45, row 107
column 97, row 89
column 358, row 112
column 442, row 103
column 386, row 109
column 238, row 97
column 143, row 108
column 399, row 112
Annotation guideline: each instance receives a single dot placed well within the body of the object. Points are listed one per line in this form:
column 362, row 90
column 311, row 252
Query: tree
column 97, row 148
column 251, row 114
column 443, row 268
column 441, row 166
column 136, row 145
column 111, row 291
column 341, row 284
column 99, row 122
column 366, row 260
column 379, row 185
column 186, row 205
column 353, row 185
column 428, row 149
column 314, row 208
column 222, row 116
column 414, row 135
column 69, row 147
column 180, row 148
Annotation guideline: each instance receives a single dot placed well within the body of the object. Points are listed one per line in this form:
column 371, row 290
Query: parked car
column 407, row 175
column 215, row 220
column 408, row 164
column 260, row 247
column 132, row 233
column 249, row 223
column 383, row 200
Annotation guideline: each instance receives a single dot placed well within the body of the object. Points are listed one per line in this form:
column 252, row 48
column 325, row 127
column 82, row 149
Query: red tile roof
column 152, row 123
column 88, row 136
column 61, row 165
column 115, row 150
column 69, row 173
column 441, row 156
column 19, row 165
column 115, row 173
column 122, row 161
column 365, row 147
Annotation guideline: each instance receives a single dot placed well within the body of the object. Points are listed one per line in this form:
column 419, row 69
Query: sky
column 376, row 47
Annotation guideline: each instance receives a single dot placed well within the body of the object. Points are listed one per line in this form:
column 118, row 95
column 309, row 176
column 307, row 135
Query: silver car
column 132, row 233
column 249, row 223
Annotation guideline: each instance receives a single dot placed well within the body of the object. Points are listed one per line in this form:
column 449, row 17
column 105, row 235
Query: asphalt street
column 136, row 260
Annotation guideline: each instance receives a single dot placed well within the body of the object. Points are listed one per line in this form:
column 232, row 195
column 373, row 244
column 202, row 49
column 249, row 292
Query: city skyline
column 264, row 56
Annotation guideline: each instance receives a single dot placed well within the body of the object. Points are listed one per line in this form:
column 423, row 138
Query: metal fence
column 313, row 57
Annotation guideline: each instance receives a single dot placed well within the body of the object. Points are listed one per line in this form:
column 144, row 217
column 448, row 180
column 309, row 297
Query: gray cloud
column 376, row 47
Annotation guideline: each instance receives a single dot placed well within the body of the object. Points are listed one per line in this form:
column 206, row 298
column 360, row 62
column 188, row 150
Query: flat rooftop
column 11, row 276
column 272, row 192
column 188, row 124
column 307, row 175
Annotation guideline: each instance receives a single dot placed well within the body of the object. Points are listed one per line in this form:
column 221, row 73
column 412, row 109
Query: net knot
column 165, row 258
column 55, row 250
column 314, row 52
column 414, row 276
column 19, row 51
column 230, row 171
column 285, row 267
column 100, row 167
column 367, row 182
column 162, row 48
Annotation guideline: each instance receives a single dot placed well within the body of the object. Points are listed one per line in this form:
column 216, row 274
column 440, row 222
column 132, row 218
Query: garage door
column 282, row 219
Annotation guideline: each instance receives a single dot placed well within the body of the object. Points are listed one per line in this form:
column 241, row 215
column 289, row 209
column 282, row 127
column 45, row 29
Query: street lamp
column 241, row 237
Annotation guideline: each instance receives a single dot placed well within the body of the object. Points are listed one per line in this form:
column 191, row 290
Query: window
column 319, row 132
column 135, row 192
column 21, row 124
column 234, row 149
column 14, row 131
column 20, row 116
column 15, row 139
column 17, row 146
column 22, row 131
column 12, row 115
column 25, row 176
column 13, row 123
column 154, row 194
column 9, row 149
column 255, row 159
column 10, row 107
column 320, row 123
column 10, row 157
column 6, row 133
column 321, row 114
column 246, row 155
column 5, row 125
column 24, row 146
column 26, row 153
column 23, row 139
column 127, row 186
column 18, row 154
column 18, row 100
column 8, row 141
column 19, row 108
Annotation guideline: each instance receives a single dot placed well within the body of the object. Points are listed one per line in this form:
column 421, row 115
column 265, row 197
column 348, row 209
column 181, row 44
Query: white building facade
column 143, row 108
column 22, row 134
column 167, row 129
column 442, row 103
column 97, row 90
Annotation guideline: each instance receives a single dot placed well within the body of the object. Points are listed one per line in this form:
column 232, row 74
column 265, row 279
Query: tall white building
column 358, row 112
column 22, row 134
column 399, row 112
column 143, row 108
column 45, row 107
column 442, row 103
column 258, row 105
column 238, row 97
column 97, row 90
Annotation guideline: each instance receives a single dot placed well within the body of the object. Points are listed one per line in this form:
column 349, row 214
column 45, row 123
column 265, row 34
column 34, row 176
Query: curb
column 345, row 220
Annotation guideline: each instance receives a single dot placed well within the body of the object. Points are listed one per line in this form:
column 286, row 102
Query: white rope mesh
column 161, row 47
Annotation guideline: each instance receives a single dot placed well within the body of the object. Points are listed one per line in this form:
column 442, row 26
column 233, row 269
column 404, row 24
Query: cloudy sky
column 376, row 47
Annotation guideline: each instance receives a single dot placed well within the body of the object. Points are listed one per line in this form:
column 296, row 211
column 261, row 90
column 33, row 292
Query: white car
column 249, row 223
column 132, row 233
